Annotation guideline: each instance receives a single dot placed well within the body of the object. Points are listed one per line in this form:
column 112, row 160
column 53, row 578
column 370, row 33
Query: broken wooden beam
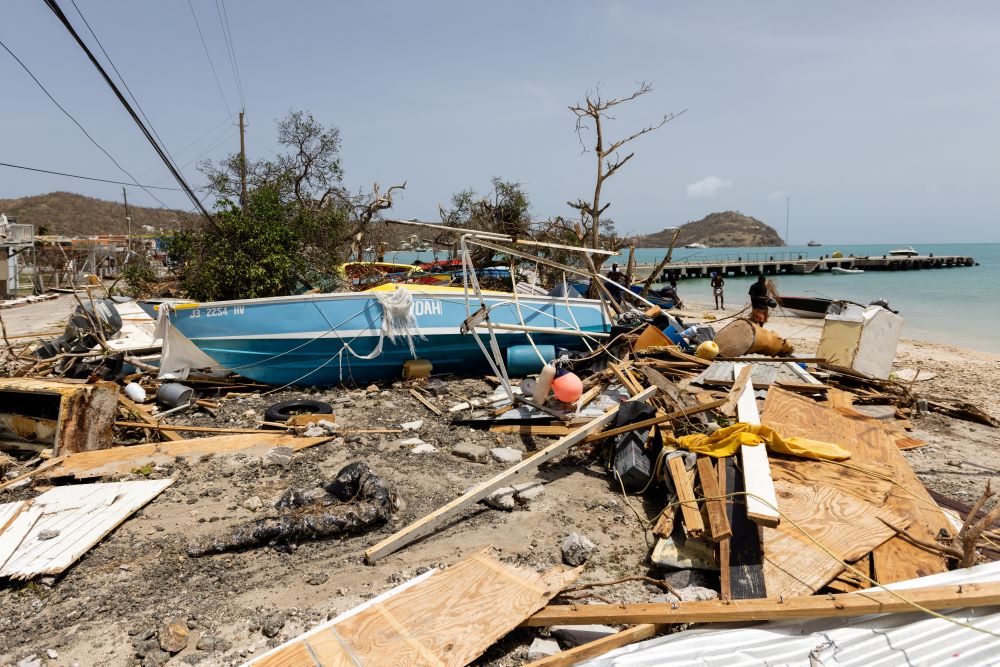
column 653, row 421
column 715, row 506
column 862, row 603
column 598, row 647
column 762, row 502
column 432, row 521
column 693, row 524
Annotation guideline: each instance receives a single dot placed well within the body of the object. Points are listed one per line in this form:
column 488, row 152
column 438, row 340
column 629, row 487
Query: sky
column 870, row 122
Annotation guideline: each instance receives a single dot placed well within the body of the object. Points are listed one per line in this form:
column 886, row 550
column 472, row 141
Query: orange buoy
column 567, row 387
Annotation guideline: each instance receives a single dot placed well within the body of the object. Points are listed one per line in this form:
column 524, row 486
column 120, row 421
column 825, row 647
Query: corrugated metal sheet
column 886, row 639
column 79, row 515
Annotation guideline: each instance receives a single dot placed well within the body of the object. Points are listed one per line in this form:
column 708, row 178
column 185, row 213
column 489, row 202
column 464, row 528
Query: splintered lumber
column 448, row 618
column 77, row 415
column 144, row 416
column 598, row 647
column 715, row 507
column 824, row 527
column 174, row 428
column 896, row 560
column 427, row 404
column 739, row 385
column 51, row 463
column 432, row 521
column 122, row 460
column 542, row 430
column 725, row 589
column 653, row 421
column 761, row 501
column 744, row 571
column 693, row 524
column 862, row 603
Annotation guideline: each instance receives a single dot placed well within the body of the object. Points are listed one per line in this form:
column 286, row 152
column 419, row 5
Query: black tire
column 280, row 412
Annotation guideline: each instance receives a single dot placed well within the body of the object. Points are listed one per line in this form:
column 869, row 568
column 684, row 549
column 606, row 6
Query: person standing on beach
column 759, row 301
column 617, row 276
column 717, row 284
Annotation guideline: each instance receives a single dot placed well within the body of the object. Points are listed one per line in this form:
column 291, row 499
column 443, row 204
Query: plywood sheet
column 450, row 618
column 80, row 516
column 897, row 559
column 123, row 460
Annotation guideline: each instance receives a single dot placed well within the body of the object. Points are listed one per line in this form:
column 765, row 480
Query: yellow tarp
column 726, row 441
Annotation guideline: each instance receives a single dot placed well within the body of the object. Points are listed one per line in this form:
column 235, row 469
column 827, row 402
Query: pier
column 770, row 264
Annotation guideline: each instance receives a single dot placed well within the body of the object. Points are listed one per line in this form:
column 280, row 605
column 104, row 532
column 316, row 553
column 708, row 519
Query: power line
column 121, row 78
column 54, row 6
column 204, row 45
column 231, row 47
column 86, row 178
column 77, row 123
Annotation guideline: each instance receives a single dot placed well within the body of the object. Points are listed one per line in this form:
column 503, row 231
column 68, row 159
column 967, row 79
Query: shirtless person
column 717, row 284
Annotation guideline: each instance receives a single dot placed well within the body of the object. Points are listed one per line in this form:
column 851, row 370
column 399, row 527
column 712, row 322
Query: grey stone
column 502, row 499
column 542, row 648
column 506, row 454
column 272, row 624
column 412, row 426
column 253, row 503
column 48, row 534
column 411, row 442
column 208, row 643
column 528, row 491
column 685, row 578
column 688, row 594
column 328, row 426
column 317, row 578
column 574, row 635
column 467, row 450
column 314, row 432
column 52, row 653
column 424, row 448
column 173, row 636
column 280, row 456
column 576, row 549
column 30, row 661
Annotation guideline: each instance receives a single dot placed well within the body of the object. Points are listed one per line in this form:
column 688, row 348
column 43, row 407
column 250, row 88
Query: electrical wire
column 120, row 77
column 54, row 6
column 86, row 178
column 220, row 7
column 77, row 123
column 218, row 84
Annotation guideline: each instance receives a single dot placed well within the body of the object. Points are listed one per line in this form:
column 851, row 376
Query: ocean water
column 959, row 305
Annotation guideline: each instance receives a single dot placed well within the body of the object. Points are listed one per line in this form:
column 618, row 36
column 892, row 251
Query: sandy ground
column 106, row 609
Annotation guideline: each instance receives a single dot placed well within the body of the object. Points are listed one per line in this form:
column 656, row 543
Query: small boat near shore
column 327, row 339
column 904, row 251
column 841, row 271
column 697, row 246
column 804, row 306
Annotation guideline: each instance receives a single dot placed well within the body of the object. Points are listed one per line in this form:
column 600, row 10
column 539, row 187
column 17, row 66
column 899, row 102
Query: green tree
column 505, row 210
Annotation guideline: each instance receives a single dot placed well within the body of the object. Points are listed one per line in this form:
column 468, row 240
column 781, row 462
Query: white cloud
column 707, row 187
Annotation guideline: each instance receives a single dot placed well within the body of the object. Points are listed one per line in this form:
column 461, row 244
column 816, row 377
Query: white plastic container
column 135, row 392
column 544, row 383
column 861, row 338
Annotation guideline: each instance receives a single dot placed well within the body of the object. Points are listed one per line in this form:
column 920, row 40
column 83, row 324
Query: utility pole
column 788, row 203
column 128, row 223
column 243, row 165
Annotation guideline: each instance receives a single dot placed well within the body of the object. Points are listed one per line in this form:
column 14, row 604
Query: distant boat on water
column 696, row 245
column 814, row 244
column 904, row 251
column 841, row 271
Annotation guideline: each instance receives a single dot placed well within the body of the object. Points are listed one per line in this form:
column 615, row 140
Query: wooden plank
column 862, row 603
column 144, row 416
column 761, row 500
column 626, row 382
column 599, row 646
column 714, row 505
column 725, row 587
column 430, row 523
column 173, row 429
column 745, row 571
column 653, row 421
column 427, row 404
column 13, row 532
column 739, row 384
column 897, row 559
column 542, row 430
column 868, row 484
column 51, row 463
column 693, row 523
column 121, row 460
column 449, row 618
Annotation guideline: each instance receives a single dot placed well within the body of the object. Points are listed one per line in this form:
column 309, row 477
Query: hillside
column 71, row 214
column 718, row 230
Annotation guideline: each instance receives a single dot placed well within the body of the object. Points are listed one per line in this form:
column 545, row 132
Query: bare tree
column 591, row 114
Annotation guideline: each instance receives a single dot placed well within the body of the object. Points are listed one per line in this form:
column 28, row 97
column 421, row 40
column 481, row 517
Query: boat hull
column 807, row 307
column 323, row 339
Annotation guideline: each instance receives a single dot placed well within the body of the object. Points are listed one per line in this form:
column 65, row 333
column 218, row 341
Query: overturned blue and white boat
column 326, row 339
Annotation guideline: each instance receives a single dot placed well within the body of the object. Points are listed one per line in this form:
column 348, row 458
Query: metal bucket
column 174, row 395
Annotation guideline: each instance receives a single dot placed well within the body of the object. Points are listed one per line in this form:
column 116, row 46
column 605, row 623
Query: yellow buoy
column 707, row 350
column 836, row 254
